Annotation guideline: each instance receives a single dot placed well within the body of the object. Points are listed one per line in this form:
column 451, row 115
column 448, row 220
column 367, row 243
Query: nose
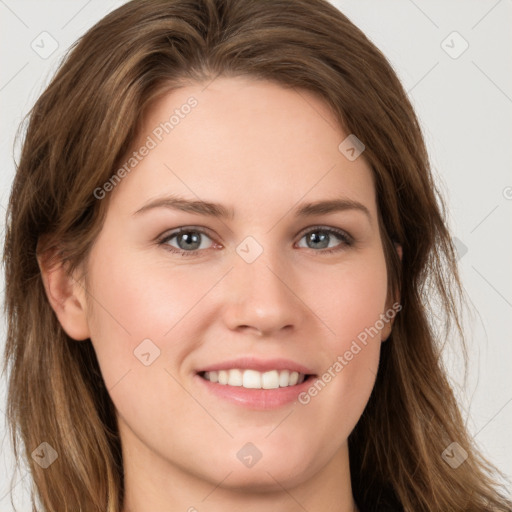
column 263, row 296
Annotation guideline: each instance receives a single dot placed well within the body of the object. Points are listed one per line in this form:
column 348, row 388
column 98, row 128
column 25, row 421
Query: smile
column 253, row 379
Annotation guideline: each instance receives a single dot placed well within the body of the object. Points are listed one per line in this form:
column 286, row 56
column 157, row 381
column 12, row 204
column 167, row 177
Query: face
column 275, row 292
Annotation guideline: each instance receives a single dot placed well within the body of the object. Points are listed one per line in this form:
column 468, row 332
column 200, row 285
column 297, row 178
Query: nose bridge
column 261, row 285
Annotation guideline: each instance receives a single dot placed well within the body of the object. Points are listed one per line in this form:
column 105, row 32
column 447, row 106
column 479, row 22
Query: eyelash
column 344, row 237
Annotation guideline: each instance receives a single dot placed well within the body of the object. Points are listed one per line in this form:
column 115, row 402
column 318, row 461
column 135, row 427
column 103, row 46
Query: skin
column 260, row 149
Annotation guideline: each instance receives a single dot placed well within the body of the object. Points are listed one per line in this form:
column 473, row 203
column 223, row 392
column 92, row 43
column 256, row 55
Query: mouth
column 254, row 379
column 255, row 384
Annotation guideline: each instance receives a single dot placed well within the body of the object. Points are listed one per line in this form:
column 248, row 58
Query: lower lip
column 262, row 399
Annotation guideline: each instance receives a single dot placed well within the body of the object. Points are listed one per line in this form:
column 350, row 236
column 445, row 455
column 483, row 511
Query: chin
column 263, row 477
column 276, row 467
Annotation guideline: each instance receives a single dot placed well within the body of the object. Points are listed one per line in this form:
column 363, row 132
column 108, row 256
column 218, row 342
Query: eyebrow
column 220, row 211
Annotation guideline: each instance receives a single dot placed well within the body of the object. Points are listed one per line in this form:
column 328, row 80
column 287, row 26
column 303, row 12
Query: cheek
column 351, row 306
column 137, row 308
column 352, row 299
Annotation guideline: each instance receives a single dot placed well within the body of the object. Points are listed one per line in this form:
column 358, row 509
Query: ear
column 399, row 250
column 386, row 332
column 66, row 296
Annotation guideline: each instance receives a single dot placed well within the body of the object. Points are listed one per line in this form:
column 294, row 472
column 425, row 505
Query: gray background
column 464, row 102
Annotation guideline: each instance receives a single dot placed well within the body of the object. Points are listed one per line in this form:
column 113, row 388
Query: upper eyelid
column 182, row 229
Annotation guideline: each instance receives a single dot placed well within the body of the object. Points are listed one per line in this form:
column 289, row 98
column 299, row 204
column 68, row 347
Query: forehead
column 250, row 144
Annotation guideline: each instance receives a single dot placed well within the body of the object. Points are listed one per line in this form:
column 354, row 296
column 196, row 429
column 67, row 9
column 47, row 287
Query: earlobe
column 66, row 297
column 399, row 250
column 386, row 331
column 388, row 327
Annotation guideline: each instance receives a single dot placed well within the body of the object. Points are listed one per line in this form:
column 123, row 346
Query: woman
column 284, row 360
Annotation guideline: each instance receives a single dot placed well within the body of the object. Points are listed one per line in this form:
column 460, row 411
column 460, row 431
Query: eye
column 320, row 237
column 189, row 241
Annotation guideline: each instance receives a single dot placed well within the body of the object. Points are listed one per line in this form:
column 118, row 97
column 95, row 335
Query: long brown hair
column 78, row 131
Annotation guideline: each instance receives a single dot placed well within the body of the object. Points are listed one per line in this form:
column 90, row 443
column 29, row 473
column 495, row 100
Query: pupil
column 190, row 239
column 320, row 239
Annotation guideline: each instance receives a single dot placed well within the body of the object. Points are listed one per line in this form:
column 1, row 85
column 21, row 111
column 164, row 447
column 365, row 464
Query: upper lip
column 261, row 365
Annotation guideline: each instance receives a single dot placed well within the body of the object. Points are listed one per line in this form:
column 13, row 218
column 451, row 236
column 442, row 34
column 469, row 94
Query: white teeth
column 284, row 378
column 223, row 377
column 235, row 378
column 270, row 380
column 252, row 379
